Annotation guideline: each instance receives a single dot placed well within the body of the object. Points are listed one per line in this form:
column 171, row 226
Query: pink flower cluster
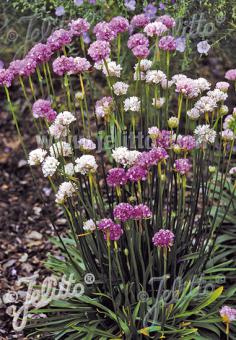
column 103, row 31
column 228, row 314
column 182, row 166
column 6, row 77
column 167, row 43
column 118, row 176
column 58, row 39
column 110, row 229
column 119, row 24
column 42, row 108
column 231, row 75
column 70, row 65
column 138, row 43
column 186, row 143
column 163, row 238
column 152, row 157
column 164, row 138
column 103, row 107
column 79, row 26
column 139, row 21
column 125, row 212
column 99, row 50
column 168, row 21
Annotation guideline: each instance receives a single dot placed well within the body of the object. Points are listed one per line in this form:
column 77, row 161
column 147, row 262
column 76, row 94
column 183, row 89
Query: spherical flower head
column 119, row 24
column 164, row 139
column 130, row 5
column 104, row 32
column 139, row 21
column 80, row 65
column 103, row 107
column 116, row 177
column 124, row 156
column 42, row 108
column 231, row 74
column 202, row 84
column 141, row 212
column 153, row 132
column 203, row 47
column 69, row 169
column 66, row 190
column 86, row 145
column 60, row 149
column 50, row 166
column 206, row 104
column 63, row 65
column 65, row 118
column 136, row 173
column 144, row 65
column 89, row 225
column 167, row 43
column 180, row 44
column 173, row 122
column 137, row 39
column 123, row 212
column 151, row 158
column 58, row 39
column 114, row 70
column 6, row 77
column 204, row 135
column 228, row 314
column 222, row 86
column 232, row 171
column 186, row 143
column 188, row 88
column 168, row 21
column 150, row 11
column 99, row 50
column 155, row 29
column 230, row 122
column 155, row 76
column 227, row 135
column 182, row 166
column 217, row 95
column 163, row 238
column 105, row 224
column 115, row 232
column 59, row 11
column 40, row 53
column 140, row 51
column 58, row 130
column 24, row 67
column 86, row 164
column 223, row 110
column 132, row 104
column 120, row 88
column 193, row 114
column 79, row 26
column 37, row 156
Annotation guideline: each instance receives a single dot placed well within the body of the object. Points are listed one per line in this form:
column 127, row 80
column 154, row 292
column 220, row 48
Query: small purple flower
column 42, row 108
column 163, row 238
column 86, row 38
column 167, row 43
column 80, row 65
column 6, row 77
column 40, row 53
column 1, row 64
column 150, row 11
column 58, row 39
column 63, row 65
column 60, row 11
column 115, row 232
column 164, row 139
column 137, row 39
column 228, row 314
column 140, row 52
column 139, row 21
column 105, row 224
column 103, row 31
column 141, row 211
column 130, row 5
column 182, row 166
column 186, row 143
column 79, row 26
column 123, row 212
column 203, row 47
column 231, row 74
column 119, row 24
column 137, row 173
column 152, row 157
column 180, row 44
column 99, row 50
column 78, row 2
column 162, row 6
column 167, row 20
column 116, row 177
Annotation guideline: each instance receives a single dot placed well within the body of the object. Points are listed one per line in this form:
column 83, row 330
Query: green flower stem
column 32, row 87
column 40, row 79
column 50, row 80
column 85, row 102
column 46, row 78
column 180, row 103
column 133, row 257
column 118, row 47
column 67, row 87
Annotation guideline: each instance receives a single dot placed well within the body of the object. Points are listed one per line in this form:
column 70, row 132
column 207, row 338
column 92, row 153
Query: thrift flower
column 37, row 156
column 86, row 164
column 163, row 238
column 167, row 43
column 49, row 166
column 132, row 104
column 99, row 50
column 116, row 177
column 203, row 47
column 123, row 212
column 66, row 190
column 182, row 166
column 89, row 225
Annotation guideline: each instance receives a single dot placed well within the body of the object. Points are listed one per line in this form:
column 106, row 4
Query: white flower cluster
column 155, row 76
column 124, row 156
column 204, row 134
column 205, row 104
column 217, row 95
column 193, row 114
column 145, row 65
column 66, row 190
column 86, row 164
column 50, row 166
column 89, row 225
column 120, row 88
column 86, row 144
column 37, row 156
column 132, row 104
column 158, row 102
column 114, row 70
column 227, row 135
column 153, row 132
column 155, row 29
column 69, row 169
column 59, row 128
column 60, row 149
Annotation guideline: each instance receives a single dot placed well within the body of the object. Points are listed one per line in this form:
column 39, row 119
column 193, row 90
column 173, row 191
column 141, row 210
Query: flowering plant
column 139, row 212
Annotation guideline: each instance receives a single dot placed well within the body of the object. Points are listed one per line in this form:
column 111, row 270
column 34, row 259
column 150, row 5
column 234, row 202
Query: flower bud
column 79, row 96
column 126, row 252
column 212, row 169
column 173, row 122
column 224, row 110
column 176, row 148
